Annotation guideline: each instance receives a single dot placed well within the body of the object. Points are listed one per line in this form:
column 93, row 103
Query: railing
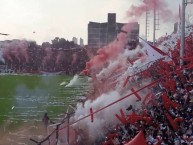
column 53, row 135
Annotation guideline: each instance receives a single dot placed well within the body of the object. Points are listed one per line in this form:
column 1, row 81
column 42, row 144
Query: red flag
column 136, row 94
column 158, row 50
column 147, row 99
column 162, row 72
column 179, row 119
column 173, row 85
column 132, row 118
column 122, row 118
column 139, row 139
column 112, row 135
column 172, row 123
column 148, row 120
column 126, row 81
column 174, row 105
column 122, row 113
column 155, row 48
column 166, row 85
column 168, row 103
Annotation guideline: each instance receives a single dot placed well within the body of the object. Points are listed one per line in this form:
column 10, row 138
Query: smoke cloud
column 104, row 118
column 165, row 13
column 15, row 49
column 48, row 55
column 109, row 70
column 74, row 82
column 109, row 52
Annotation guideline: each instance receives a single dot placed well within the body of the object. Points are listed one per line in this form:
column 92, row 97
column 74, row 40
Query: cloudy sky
column 42, row 20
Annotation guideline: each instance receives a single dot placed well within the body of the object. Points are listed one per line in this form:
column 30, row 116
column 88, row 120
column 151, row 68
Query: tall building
column 75, row 40
column 81, row 42
column 100, row 34
column 176, row 27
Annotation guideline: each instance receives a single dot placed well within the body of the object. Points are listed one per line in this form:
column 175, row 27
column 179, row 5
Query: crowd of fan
column 22, row 56
column 160, row 131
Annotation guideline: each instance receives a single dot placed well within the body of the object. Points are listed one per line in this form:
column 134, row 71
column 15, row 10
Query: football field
column 25, row 98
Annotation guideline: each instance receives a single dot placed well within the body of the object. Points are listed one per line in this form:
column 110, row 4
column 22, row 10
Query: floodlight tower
column 155, row 21
column 147, row 24
column 154, row 24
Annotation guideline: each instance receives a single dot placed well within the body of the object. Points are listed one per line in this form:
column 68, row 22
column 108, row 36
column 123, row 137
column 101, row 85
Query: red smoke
column 74, row 58
column 48, row 55
column 17, row 49
column 165, row 13
column 90, row 54
column 109, row 52
column 59, row 57
column 7, row 54
column 24, row 45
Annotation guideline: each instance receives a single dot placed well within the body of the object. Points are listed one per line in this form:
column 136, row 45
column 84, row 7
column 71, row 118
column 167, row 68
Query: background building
column 81, row 42
column 100, row 34
column 176, row 27
column 75, row 40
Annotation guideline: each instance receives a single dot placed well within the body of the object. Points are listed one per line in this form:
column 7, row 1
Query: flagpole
column 182, row 32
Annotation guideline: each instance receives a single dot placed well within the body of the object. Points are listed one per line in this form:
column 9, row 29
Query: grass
column 28, row 97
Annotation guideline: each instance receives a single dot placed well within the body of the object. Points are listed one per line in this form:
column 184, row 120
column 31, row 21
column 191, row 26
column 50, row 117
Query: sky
column 43, row 20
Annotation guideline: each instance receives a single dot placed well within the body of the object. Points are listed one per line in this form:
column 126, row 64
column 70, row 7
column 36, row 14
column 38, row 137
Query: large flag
column 153, row 52
column 152, row 55
column 139, row 139
column 158, row 50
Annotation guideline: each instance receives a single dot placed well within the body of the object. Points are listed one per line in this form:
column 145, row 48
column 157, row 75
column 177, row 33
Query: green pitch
column 26, row 98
